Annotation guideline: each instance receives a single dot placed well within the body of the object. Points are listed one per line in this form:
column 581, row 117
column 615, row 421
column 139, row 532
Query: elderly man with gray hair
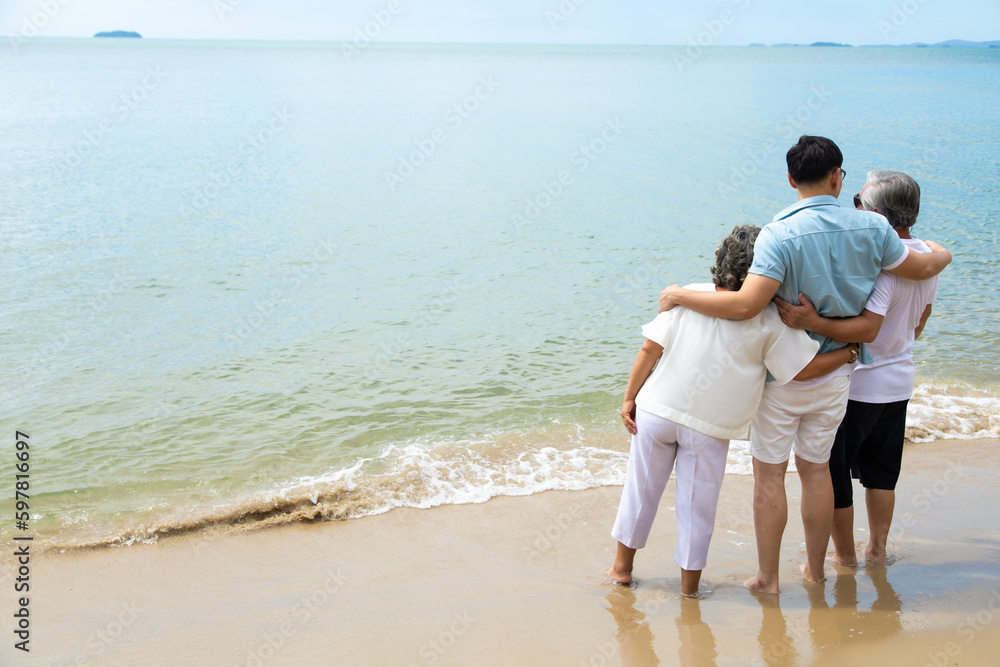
column 870, row 439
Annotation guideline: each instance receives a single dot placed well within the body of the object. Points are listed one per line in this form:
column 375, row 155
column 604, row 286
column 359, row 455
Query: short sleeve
column 767, row 257
column 893, row 250
column 878, row 302
column 661, row 330
column 790, row 351
column 931, row 283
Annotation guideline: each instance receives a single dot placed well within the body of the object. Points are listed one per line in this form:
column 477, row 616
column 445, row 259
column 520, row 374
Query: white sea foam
column 421, row 477
column 740, row 462
column 422, row 474
column 938, row 412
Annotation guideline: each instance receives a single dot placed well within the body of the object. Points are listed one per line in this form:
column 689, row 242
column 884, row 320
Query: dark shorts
column 869, row 440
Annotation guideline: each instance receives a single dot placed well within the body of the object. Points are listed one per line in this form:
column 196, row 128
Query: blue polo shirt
column 832, row 254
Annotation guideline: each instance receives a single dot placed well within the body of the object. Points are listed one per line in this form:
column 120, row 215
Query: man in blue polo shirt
column 832, row 255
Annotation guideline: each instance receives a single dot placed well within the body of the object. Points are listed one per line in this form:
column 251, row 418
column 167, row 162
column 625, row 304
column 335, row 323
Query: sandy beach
column 521, row 581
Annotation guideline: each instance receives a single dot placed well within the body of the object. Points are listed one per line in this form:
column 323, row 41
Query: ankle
column 621, row 568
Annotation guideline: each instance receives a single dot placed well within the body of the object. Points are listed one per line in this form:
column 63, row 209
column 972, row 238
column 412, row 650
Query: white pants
column 701, row 464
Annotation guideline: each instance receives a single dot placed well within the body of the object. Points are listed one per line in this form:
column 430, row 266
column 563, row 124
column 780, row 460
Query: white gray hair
column 893, row 194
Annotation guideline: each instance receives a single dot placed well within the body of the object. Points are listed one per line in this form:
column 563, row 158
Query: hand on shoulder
column 670, row 297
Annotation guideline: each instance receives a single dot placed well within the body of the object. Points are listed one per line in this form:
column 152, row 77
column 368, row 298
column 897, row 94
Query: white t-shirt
column 889, row 378
column 711, row 375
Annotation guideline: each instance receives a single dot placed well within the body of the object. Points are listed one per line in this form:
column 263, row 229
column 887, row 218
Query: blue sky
column 517, row 21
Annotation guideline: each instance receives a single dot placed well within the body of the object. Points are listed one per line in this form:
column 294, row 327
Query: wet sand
column 521, row 581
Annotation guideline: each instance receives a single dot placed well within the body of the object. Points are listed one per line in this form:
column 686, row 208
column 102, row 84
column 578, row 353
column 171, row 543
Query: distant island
column 950, row 44
column 954, row 44
column 118, row 33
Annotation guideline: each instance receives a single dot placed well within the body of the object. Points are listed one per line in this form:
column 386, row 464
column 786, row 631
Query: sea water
column 259, row 282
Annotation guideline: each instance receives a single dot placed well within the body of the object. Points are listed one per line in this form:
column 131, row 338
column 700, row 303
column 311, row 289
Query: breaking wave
column 424, row 475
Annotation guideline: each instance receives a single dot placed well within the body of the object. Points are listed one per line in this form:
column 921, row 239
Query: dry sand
column 520, row 581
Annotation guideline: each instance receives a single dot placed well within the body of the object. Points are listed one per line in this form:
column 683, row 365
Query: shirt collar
column 809, row 202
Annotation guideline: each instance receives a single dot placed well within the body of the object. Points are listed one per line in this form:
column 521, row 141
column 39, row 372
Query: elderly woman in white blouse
column 695, row 385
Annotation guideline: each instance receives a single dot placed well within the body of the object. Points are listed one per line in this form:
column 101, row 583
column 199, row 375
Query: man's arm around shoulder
column 751, row 299
column 923, row 265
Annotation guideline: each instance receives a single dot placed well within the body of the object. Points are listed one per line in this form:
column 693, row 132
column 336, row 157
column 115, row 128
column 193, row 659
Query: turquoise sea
column 260, row 282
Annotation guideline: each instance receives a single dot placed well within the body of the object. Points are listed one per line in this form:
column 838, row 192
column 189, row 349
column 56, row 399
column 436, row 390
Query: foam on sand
column 422, row 474
column 402, row 476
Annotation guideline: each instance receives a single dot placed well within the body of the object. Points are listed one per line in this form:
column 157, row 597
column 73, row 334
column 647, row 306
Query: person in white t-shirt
column 870, row 438
column 695, row 385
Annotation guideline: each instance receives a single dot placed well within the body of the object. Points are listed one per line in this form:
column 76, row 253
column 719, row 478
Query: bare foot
column 837, row 560
column 875, row 557
column 882, row 558
column 702, row 593
column 757, row 584
column 811, row 579
column 623, row 578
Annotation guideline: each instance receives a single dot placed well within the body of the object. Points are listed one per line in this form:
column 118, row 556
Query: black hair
column 812, row 159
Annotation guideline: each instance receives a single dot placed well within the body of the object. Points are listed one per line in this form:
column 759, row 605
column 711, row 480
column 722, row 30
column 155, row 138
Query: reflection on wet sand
column 831, row 624
column 635, row 639
column 697, row 645
column 777, row 648
column 887, row 601
column 830, row 627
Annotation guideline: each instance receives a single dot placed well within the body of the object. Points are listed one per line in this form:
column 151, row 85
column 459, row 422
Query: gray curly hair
column 734, row 257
